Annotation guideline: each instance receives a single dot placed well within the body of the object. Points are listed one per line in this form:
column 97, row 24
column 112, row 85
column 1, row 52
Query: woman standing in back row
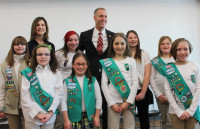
column 39, row 34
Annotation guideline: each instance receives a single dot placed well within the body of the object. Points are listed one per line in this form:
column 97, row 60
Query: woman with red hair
column 64, row 58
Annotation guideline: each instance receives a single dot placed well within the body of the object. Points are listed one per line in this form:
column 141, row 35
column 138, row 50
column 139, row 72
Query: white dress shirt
column 50, row 82
column 95, row 37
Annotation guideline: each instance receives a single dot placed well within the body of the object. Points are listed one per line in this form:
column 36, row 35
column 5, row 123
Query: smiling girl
column 119, row 83
column 10, row 82
column 42, row 89
column 157, row 79
column 183, row 86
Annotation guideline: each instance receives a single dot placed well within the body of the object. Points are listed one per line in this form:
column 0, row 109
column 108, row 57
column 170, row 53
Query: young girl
column 42, row 89
column 10, row 82
column 64, row 57
column 39, row 34
column 119, row 83
column 183, row 86
column 83, row 97
column 144, row 96
column 157, row 79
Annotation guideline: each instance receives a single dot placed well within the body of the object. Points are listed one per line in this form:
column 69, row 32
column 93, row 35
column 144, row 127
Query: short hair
column 17, row 40
column 52, row 63
column 175, row 46
column 33, row 28
column 111, row 52
column 96, row 10
column 160, row 41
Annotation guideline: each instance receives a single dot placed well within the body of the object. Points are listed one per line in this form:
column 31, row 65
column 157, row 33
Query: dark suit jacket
column 91, row 52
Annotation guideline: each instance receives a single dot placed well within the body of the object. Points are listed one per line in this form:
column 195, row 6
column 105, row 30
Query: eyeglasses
column 41, row 54
column 17, row 44
column 79, row 64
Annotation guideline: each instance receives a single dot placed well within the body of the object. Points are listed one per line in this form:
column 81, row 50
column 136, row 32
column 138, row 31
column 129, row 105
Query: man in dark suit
column 89, row 43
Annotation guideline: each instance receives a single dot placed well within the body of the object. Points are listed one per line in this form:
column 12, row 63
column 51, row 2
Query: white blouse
column 176, row 106
column 157, row 80
column 111, row 94
column 50, row 82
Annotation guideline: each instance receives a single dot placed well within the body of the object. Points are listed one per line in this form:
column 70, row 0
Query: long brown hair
column 111, row 52
column 87, row 72
column 53, row 61
column 33, row 28
column 160, row 41
column 17, row 40
column 175, row 46
column 138, row 54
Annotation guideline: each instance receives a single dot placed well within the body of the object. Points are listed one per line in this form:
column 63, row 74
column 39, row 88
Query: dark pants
column 104, row 115
column 143, row 109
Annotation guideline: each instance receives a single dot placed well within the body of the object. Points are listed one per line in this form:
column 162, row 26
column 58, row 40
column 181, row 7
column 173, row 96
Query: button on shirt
column 95, row 37
column 50, row 82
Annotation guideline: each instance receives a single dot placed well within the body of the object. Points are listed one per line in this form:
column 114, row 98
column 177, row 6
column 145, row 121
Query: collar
column 39, row 67
column 96, row 32
column 18, row 58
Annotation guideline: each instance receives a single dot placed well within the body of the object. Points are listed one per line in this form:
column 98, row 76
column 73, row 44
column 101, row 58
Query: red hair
column 68, row 34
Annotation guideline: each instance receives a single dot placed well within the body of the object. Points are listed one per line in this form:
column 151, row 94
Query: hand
column 140, row 96
column 162, row 99
column 67, row 124
column 40, row 116
column 116, row 108
column 47, row 117
column 96, row 122
column 124, row 105
column 185, row 116
column 2, row 115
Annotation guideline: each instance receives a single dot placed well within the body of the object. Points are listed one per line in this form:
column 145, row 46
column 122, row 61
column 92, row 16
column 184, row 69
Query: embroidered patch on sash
column 9, row 86
column 170, row 71
column 72, row 99
column 179, row 87
column 71, row 85
column 8, row 73
column 183, row 99
column 107, row 63
column 188, row 94
column 123, row 89
column 155, row 60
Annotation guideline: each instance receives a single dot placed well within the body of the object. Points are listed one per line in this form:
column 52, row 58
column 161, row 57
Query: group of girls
column 31, row 89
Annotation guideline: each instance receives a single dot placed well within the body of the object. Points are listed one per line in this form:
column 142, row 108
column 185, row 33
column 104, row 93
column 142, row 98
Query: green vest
column 13, row 88
column 180, row 87
column 42, row 98
column 117, row 79
column 74, row 100
column 158, row 63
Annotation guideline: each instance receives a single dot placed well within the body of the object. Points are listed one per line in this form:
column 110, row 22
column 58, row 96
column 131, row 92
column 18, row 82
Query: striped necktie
column 100, row 44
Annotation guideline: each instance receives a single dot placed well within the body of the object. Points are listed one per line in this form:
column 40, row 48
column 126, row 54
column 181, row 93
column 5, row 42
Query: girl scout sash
column 42, row 98
column 180, row 87
column 158, row 63
column 74, row 101
column 117, row 79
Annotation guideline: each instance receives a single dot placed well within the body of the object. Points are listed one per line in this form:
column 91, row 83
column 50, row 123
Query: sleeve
column 196, row 96
column 2, row 91
column 134, row 83
column 64, row 100
column 105, row 89
column 81, row 42
column 27, row 102
column 98, row 95
column 58, row 92
column 147, row 59
column 153, row 82
column 171, row 98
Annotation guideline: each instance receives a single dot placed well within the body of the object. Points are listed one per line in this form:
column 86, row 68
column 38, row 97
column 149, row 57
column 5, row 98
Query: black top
column 32, row 44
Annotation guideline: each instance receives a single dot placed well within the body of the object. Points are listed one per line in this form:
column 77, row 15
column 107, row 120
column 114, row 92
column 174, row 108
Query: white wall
column 151, row 19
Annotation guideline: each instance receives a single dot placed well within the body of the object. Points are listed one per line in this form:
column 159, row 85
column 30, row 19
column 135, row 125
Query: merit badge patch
column 193, row 78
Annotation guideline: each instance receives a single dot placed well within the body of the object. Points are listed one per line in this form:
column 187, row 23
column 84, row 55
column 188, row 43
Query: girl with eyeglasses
column 10, row 82
column 42, row 89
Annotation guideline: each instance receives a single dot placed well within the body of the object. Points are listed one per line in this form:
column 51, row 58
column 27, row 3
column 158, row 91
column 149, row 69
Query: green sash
column 74, row 100
column 42, row 98
column 117, row 79
column 180, row 87
column 158, row 63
